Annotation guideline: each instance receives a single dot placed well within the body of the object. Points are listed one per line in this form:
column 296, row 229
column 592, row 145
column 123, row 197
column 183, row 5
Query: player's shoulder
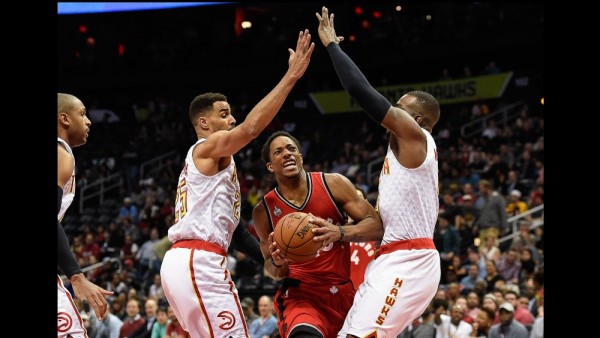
column 335, row 179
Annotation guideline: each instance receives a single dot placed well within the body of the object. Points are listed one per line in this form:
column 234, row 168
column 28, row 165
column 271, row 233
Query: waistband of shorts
column 293, row 282
column 199, row 245
column 407, row 244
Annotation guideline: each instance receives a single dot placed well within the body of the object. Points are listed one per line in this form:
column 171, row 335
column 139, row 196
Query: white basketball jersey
column 408, row 198
column 207, row 207
column 69, row 188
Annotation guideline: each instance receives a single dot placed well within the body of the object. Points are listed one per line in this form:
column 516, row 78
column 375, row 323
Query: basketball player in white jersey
column 73, row 129
column 207, row 208
column 401, row 282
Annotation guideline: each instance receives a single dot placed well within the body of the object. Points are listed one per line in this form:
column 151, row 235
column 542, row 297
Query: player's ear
column 270, row 166
column 203, row 122
column 64, row 118
column 419, row 118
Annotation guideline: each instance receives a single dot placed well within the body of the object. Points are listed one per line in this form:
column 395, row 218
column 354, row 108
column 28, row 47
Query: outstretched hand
column 86, row 290
column 326, row 29
column 300, row 58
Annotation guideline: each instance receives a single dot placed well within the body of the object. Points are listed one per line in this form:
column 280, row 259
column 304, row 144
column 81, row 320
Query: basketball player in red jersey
column 361, row 254
column 316, row 295
column 401, row 282
column 73, row 129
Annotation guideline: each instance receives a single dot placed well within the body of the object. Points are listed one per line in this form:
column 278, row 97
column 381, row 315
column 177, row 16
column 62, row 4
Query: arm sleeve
column 60, row 194
column 66, row 261
column 356, row 84
column 248, row 244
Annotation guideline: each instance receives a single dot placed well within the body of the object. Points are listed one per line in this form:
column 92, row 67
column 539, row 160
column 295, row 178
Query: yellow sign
column 446, row 92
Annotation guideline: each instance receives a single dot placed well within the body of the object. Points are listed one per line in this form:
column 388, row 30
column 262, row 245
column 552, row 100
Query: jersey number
column 354, row 258
column 181, row 201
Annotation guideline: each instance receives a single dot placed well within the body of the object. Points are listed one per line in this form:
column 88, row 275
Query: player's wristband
column 342, row 233
column 275, row 265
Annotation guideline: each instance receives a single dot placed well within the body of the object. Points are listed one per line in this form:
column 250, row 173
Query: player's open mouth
column 289, row 163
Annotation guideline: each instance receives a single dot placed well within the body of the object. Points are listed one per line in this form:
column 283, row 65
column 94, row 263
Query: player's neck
column 294, row 189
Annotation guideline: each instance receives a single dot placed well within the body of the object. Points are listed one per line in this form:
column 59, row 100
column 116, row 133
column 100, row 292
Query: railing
column 372, row 173
column 156, row 164
column 501, row 116
column 101, row 187
column 99, row 264
column 515, row 219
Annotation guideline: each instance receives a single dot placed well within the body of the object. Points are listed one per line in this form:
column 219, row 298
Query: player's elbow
column 251, row 130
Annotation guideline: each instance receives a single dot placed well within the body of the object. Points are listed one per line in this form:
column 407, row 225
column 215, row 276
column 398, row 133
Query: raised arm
column 367, row 224
column 396, row 119
column 225, row 143
column 267, row 244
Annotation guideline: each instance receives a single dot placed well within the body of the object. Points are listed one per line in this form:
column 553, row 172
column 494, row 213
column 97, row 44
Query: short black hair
column 203, row 103
column 430, row 107
column 266, row 154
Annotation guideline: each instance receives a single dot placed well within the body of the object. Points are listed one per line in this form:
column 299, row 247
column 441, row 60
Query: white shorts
column 69, row 320
column 397, row 289
column 199, row 288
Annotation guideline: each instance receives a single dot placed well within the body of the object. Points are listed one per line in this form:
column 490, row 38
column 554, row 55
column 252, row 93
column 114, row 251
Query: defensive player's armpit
column 246, row 243
column 66, row 261
column 357, row 85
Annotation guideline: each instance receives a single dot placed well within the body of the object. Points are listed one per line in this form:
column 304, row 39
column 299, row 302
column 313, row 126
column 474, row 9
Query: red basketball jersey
column 361, row 254
column 332, row 264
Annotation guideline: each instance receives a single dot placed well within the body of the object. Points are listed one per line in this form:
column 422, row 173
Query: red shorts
column 321, row 307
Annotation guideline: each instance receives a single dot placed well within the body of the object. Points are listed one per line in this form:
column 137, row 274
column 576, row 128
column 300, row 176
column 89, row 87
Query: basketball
column 295, row 239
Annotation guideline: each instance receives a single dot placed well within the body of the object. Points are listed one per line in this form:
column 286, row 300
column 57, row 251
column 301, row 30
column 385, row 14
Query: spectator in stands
column 515, row 206
column 150, row 316
column 512, row 183
column 483, row 323
column 134, row 324
column 472, row 308
column 462, row 301
column 174, row 329
column 110, row 326
column 508, row 327
column 528, row 265
column 424, row 328
column 146, row 256
column 266, row 324
column 467, row 283
column 159, row 329
column 459, row 269
column 490, row 302
column 156, row 290
column 474, row 257
column 492, row 212
column 522, row 314
column 489, row 250
column 248, row 309
column 452, row 326
column 129, row 210
column 447, row 242
column 492, row 275
column 510, row 267
column 537, row 331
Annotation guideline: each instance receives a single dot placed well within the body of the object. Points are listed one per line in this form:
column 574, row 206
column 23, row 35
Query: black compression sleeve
column 66, row 261
column 357, row 85
column 60, row 193
column 248, row 244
